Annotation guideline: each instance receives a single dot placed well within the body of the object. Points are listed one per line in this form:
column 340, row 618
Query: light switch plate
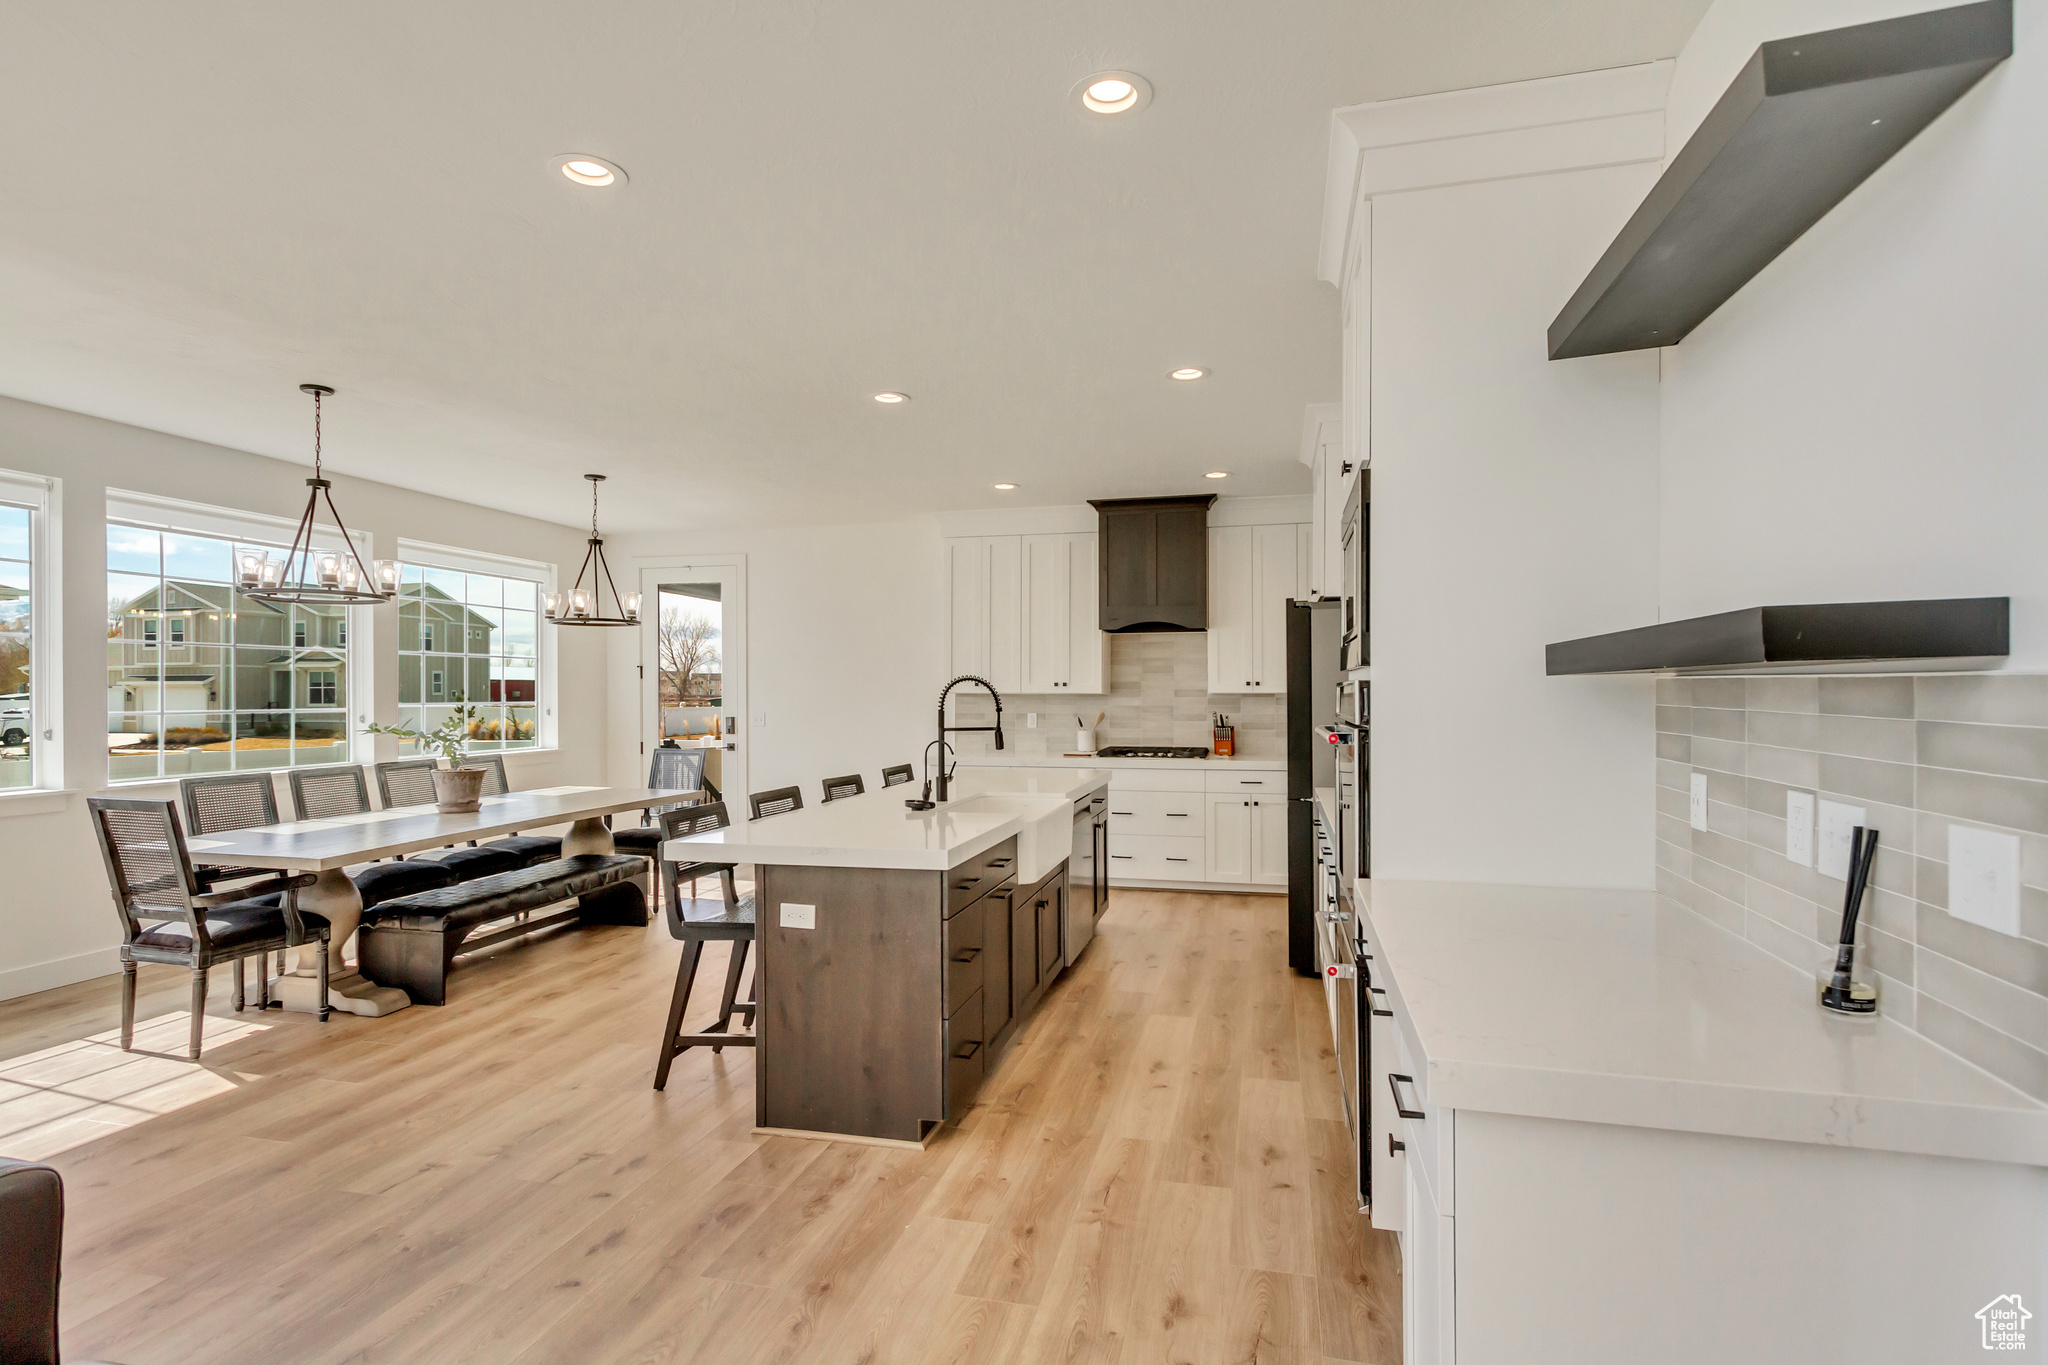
column 1799, row 827
column 1984, row 878
column 795, row 916
column 1031, row 720
column 1837, row 827
column 1699, row 800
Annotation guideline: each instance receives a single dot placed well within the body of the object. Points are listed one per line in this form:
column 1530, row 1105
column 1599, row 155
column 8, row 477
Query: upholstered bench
column 412, row 941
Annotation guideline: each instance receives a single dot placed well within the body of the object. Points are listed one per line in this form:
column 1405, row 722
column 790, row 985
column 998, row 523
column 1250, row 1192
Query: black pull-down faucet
column 945, row 729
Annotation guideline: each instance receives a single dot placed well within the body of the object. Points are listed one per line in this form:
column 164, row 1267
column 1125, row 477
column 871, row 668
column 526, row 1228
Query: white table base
column 334, row 896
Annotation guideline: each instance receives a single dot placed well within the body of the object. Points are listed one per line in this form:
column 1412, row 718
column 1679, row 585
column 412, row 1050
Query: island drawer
column 979, row 875
column 966, row 1056
column 964, row 941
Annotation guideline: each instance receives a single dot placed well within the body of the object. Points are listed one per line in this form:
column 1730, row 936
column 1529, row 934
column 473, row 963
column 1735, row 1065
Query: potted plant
column 458, row 790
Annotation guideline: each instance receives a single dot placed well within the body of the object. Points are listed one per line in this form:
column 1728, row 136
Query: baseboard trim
column 63, row 971
column 1220, row 888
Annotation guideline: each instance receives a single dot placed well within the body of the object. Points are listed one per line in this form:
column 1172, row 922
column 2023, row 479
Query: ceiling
column 208, row 203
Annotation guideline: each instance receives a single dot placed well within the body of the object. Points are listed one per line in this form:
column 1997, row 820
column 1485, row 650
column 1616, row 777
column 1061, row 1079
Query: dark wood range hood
column 1864, row 637
column 1155, row 563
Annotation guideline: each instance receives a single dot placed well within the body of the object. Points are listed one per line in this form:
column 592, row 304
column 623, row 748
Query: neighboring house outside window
column 241, row 684
column 474, row 636
column 27, row 758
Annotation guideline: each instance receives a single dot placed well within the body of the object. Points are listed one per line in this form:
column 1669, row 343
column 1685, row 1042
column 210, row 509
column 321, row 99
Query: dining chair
column 780, row 801
column 839, row 788
column 667, row 770
column 731, row 920
column 531, row 848
column 410, row 782
column 224, row 802
column 324, row 793
column 899, row 774
column 167, row 918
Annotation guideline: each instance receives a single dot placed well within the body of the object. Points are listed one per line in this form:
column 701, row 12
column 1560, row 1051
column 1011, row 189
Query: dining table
column 327, row 847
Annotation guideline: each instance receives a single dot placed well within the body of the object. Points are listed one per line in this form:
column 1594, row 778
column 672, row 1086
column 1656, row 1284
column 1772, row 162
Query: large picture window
column 203, row 679
column 470, row 637
column 17, row 644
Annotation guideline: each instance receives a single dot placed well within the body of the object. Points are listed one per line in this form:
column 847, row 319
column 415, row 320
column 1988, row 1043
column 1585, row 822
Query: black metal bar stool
column 779, row 801
column 732, row 922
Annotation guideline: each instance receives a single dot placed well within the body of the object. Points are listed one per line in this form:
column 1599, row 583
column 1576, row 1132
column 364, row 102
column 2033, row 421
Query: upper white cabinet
column 1022, row 612
column 1253, row 571
column 1062, row 649
column 984, row 603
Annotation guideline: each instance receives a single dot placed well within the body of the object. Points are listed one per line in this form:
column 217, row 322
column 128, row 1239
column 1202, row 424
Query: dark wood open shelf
column 1805, row 123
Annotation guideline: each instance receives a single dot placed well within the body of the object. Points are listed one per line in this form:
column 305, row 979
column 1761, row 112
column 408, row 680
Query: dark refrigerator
column 1314, row 644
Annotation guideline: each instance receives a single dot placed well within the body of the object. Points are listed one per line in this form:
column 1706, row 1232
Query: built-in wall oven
column 1345, row 981
column 1355, row 535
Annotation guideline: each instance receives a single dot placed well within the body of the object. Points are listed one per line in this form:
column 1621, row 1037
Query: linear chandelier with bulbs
column 307, row 575
column 582, row 606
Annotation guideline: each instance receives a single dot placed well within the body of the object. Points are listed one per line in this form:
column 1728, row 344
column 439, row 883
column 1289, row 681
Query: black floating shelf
column 1806, row 122
column 1839, row 635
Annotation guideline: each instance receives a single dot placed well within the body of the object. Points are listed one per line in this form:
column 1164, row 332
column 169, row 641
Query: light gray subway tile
column 1992, row 699
column 2009, row 750
column 1726, row 817
column 2000, row 1004
column 2034, row 913
column 1896, row 914
column 1878, row 951
column 2001, row 1054
column 1896, row 1000
column 1867, row 697
column 1674, row 720
column 1674, row 775
column 1725, row 882
column 1784, row 729
column 1721, row 755
column 1675, row 831
column 1714, row 724
column 1867, row 779
column 1673, row 802
column 1676, row 748
column 1767, row 831
column 1705, row 903
column 1726, row 693
column 2021, row 961
column 1793, row 767
column 1721, row 848
column 1896, row 827
column 1674, row 858
column 1930, row 882
column 2008, row 801
column 1783, row 694
column 1800, row 881
column 1765, row 796
column 1795, row 913
column 1867, row 737
column 1674, row 691
column 1774, row 938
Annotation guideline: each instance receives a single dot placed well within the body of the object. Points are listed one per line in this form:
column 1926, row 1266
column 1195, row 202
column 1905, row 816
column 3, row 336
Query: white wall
column 57, row 921
column 1865, row 418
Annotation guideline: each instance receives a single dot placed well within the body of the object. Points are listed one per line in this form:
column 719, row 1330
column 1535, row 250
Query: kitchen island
column 899, row 951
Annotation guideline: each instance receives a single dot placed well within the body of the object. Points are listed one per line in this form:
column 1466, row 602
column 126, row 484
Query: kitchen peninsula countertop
column 1005, row 760
column 1607, row 1006
column 876, row 829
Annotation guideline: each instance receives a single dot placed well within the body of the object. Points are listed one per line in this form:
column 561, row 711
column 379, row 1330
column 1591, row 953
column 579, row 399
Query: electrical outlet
column 1799, row 827
column 1699, row 800
column 798, row 916
column 1984, row 878
column 1031, row 720
column 1837, row 828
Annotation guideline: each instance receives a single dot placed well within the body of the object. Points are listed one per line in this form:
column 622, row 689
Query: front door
column 693, row 669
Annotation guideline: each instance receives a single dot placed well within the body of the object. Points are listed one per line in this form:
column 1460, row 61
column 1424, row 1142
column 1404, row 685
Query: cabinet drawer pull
column 1394, row 1079
column 1393, row 1146
column 1176, row 860
column 1176, row 815
column 1119, row 812
column 998, row 862
column 1121, row 857
column 1384, row 1014
column 1251, row 781
column 967, row 955
column 965, row 1051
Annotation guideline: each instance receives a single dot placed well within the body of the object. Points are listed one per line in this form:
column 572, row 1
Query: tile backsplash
column 1158, row 694
column 1918, row 754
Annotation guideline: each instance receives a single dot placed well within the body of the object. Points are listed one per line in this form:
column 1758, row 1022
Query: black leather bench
column 412, row 941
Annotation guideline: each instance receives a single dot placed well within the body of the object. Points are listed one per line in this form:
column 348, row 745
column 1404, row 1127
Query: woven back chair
column 494, row 773
column 839, row 788
column 899, row 774
column 408, row 782
column 780, row 801
column 322, row 793
column 730, row 920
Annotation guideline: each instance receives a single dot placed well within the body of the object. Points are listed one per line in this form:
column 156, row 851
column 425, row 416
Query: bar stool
column 898, row 775
column 839, row 788
column 732, row 922
column 780, row 801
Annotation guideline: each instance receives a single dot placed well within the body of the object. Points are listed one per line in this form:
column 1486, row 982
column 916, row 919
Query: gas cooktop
column 1150, row 751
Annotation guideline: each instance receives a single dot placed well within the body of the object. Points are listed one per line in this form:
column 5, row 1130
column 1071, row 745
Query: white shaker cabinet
column 984, row 605
column 1247, row 838
column 1062, row 650
column 1253, row 571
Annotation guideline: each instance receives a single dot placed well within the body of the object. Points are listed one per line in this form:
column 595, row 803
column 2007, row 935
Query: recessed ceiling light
column 1113, row 92
column 890, row 396
column 1217, row 474
column 1006, row 487
column 591, row 172
column 1187, row 373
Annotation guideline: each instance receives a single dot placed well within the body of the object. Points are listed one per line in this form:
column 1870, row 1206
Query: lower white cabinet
column 1156, row 857
column 1247, row 839
column 1428, row 1279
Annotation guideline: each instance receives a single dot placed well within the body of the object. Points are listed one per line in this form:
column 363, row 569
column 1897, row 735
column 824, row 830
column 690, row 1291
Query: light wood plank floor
column 1156, row 1173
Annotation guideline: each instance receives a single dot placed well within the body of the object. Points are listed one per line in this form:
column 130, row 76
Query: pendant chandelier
column 583, row 606
column 308, row 575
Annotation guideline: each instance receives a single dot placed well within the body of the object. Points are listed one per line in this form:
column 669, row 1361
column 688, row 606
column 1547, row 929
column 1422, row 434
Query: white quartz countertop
column 1609, row 1007
column 1005, row 760
column 877, row 830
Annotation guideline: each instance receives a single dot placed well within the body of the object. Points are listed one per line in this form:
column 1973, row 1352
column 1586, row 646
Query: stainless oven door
column 1341, row 978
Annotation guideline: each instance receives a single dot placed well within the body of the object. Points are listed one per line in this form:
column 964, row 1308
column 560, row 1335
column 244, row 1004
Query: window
column 27, row 694
column 246, row 684
column 470, row 635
